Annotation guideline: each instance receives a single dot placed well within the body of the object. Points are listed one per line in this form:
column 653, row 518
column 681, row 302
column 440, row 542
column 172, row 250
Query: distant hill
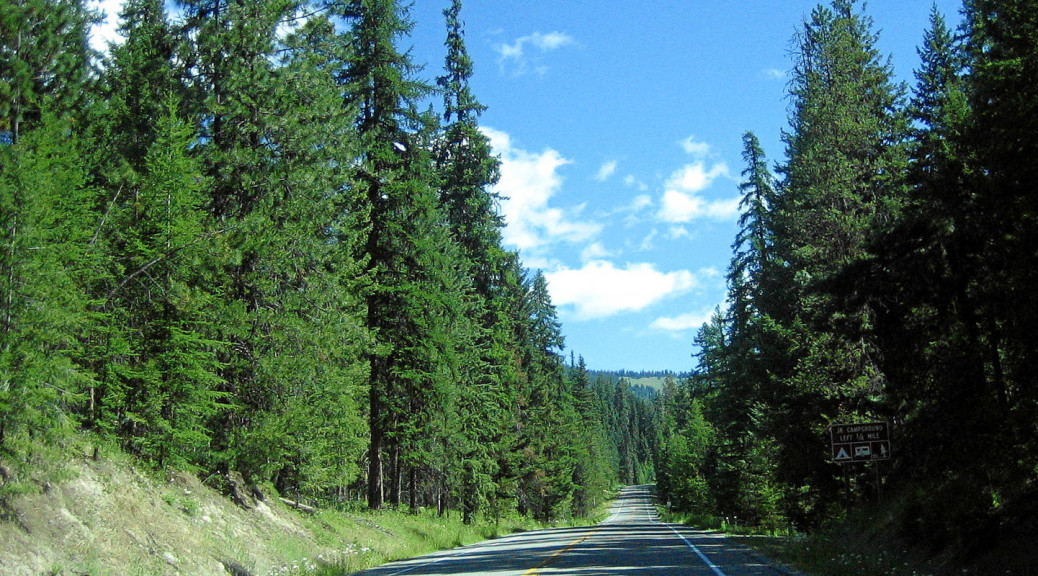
column 645, row 384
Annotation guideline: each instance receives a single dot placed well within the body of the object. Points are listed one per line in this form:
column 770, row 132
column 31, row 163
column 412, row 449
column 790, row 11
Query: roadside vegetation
column 863, row 543
column 249, row 249
column 269, row 257
column 67, row 510
column 884, row 271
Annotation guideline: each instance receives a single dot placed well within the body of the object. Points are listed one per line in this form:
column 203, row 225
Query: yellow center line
column 533, row 571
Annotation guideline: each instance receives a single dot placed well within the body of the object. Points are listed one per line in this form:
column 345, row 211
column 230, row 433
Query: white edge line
column 461, row 551
column 698, row 552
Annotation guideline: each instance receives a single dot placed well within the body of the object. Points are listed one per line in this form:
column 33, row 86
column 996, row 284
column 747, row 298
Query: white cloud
column 641, row 201
column 682, row 323
column 594, row 251
column 550, row 41
column 681, row 201
column 605, row 171
column 695, row 177
column 698, row 149
column 599, row 289
column 676, row 232
column 528, row 182
column 680, row 207
column 632, row 181
column 773, row 74
column 647, row 242
column 516, row 59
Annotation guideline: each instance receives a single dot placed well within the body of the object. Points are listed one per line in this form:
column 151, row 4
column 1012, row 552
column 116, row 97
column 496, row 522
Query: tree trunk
column 413, row 494
column 376, row 499
column 394, row 489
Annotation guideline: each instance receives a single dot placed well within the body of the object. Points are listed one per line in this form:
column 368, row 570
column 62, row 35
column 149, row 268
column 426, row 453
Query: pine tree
column 927, row 323
column 47, row 265
column 415, row 271
column 468, row 172
column 846, row 152
column 273, row 138
column 735, row 350
column 161, row 385
column 317, row 343
column 46, row 64
column 232, row 52
column 139, row 77
column 1002, row 44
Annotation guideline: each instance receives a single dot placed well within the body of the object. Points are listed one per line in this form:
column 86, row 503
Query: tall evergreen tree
column 46, row 62
column 919, row 283
column 846, row 152
column 139, row 78
column 274, row 139
column 411, row 261
column 47, row 265
column 160, row 389
column 737, row 351
column 468, row 172
column 1003, row 51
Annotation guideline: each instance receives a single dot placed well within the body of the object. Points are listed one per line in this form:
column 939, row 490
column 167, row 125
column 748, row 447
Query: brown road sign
column 862, row 442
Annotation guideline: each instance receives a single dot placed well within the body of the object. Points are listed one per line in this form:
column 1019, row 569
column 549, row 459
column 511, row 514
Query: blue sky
column 619, row 126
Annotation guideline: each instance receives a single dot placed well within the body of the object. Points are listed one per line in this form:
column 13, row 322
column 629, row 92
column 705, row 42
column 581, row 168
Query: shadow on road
column 633, row 541
column 642, row 548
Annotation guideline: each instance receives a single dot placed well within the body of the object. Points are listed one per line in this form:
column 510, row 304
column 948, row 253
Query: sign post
column 864, row 442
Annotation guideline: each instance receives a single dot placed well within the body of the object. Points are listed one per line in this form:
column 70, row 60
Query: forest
column 256, row 240
column 885, row 270
column 241, row 243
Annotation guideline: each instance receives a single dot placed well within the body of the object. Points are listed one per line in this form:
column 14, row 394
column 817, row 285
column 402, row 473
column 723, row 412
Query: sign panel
column 863, row 442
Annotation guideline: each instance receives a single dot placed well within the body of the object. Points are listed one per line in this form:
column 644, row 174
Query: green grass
column 837, row 552
column 845, row 554
column 861, row 544
column 368, row 539
column 113, row 515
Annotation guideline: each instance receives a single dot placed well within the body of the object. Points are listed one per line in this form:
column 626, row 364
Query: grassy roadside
column 88, row 508
column 365, row 539
column 834, row 552
column 369, row 539
column 857, row 547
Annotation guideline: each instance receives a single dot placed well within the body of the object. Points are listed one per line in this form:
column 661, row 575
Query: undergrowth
column 862, row 544
column 121, row 517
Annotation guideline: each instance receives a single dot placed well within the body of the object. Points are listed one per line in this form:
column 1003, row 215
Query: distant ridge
column 644, row 383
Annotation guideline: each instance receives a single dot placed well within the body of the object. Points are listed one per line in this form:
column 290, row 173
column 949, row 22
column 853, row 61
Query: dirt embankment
column 105, row 517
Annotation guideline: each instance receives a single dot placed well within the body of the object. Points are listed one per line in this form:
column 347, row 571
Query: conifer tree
column 47, row 266
column 316, row 282
column 841, row 184
column 468, row 172
column 1002, row 44
column 274, row 136
column 412, row 263
column 232, row 52
column 160, row 390
column 46, row 63
column 736, row 351
column 139, row 78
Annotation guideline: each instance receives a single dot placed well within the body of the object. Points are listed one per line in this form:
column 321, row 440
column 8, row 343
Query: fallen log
column 298, row 506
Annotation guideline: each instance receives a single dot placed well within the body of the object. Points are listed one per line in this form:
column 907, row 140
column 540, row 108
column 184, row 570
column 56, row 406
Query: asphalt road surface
column 632, row 541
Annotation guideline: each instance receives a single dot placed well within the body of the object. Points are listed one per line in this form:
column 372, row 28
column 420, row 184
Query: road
column 631, row 541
